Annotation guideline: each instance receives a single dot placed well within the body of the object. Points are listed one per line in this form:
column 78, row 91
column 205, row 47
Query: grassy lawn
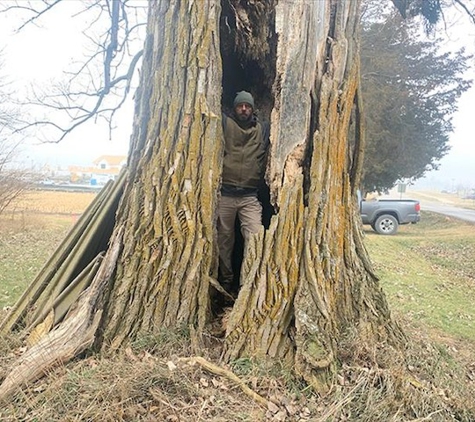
column 428, row 273
column 29, row 233
column 26, row 242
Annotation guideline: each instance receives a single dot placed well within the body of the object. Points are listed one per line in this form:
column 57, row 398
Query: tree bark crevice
column 329, row 285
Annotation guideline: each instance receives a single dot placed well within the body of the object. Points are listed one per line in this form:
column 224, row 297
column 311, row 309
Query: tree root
column 217, row 370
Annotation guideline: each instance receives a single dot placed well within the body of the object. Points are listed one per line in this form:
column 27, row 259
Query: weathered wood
column 302, row 29
column 73, row 336
column 63, row 302
column 308, row 278
column 262, row 315
column 222, row 372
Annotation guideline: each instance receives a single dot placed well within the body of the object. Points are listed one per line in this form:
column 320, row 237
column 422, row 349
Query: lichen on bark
column 163, row 272
column 298, row 302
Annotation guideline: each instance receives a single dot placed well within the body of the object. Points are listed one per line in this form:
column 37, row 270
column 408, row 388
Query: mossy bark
column 307, row 280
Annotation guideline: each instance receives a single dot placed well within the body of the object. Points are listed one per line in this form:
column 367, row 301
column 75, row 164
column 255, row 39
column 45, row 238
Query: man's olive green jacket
column 245, row 150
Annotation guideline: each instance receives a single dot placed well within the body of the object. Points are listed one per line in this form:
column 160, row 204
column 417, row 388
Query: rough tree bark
column 307, row 280
column 169, row 203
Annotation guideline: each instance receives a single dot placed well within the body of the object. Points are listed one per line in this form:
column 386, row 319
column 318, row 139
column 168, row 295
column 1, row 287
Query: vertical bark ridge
column 324, row 269
column 298, row 52
column 162, row 277
column 335, row 277
column 262, row 314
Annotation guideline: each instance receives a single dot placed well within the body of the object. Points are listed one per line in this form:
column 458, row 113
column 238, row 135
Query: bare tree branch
column 432, row 10
column 112, row 47
column 13, row 178
column 128, row 76
column 470, row 13
column 37, row 13
column 101, row 83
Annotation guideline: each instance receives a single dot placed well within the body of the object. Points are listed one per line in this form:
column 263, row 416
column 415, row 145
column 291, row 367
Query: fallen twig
column 217, row 370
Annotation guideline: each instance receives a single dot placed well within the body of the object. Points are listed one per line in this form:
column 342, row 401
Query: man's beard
column 243, row 117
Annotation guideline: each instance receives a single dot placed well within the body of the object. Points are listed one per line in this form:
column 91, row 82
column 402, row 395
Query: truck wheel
column 386, row 224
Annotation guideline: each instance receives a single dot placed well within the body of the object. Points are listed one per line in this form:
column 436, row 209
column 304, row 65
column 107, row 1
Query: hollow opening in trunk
column 248, row 53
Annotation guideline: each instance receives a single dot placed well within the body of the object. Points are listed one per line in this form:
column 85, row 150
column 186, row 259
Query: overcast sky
column 457, row 168
column 39, row 55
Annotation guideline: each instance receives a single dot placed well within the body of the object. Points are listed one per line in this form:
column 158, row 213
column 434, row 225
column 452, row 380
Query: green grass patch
column 26, row 242
column 428, row 273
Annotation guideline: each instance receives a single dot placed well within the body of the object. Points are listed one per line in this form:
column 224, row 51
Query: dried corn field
column 52, row 202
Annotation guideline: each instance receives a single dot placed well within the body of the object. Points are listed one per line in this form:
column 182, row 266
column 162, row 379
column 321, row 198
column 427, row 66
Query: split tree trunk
column 307, row 280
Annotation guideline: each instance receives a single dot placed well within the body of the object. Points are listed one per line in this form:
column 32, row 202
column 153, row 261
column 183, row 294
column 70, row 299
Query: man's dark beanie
column 244, row 97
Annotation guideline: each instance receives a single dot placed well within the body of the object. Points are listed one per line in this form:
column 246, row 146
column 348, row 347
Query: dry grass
column 432, row 379
column 150, row 381
column 54, row 202
column 428, row 273
column 26, row 242
column 30, row 230
column 424, row 381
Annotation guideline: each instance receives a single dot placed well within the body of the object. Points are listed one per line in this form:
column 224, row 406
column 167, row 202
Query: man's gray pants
column 249, row 211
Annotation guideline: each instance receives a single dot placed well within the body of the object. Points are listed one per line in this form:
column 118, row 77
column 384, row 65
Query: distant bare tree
column 100, row 82
column 13, row 178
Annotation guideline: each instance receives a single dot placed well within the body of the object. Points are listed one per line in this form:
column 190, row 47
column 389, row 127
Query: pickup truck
column 385, row 215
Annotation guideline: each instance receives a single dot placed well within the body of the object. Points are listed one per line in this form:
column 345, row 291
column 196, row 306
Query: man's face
column 243, row 112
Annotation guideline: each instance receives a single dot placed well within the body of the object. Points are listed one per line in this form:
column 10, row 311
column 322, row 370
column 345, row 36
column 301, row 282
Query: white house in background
column 104, row 168
column 110, row 162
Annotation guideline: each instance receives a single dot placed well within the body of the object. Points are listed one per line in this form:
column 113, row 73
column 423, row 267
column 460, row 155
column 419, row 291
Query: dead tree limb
column 70, row 338
column 225, row 373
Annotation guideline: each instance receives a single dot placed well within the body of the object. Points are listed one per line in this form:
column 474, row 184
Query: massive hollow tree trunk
column 306, row 278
